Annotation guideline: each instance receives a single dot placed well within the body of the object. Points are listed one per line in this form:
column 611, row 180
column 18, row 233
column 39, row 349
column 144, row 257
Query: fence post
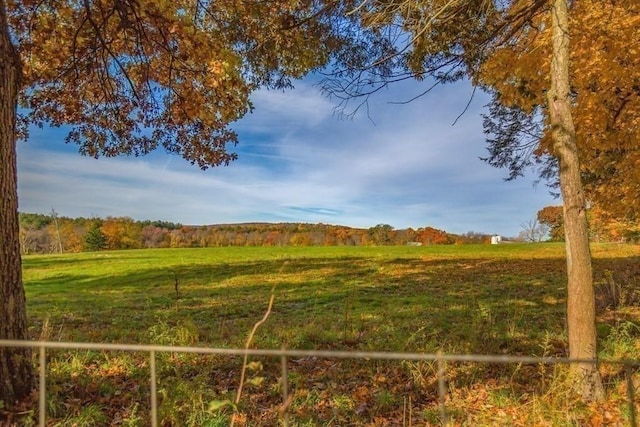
column 285, row 391
column 442, row 389
column 630, row 394
column 43, row 387
column 154, row 395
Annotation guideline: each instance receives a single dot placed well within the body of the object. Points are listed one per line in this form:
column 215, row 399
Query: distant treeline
column 51, row 233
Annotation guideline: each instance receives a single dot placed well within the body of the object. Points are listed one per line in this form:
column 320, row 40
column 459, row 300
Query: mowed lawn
column 473, row 299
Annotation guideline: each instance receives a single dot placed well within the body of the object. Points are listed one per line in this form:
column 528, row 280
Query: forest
column 41, row 233
column 50, row 233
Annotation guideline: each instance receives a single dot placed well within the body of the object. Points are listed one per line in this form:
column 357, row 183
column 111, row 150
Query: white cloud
column 299, row 163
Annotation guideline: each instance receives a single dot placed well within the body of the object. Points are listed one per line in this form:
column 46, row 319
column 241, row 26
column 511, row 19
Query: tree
column 95, row 240
column 381, row 234
column 72, row 235
column 448, row 40
column 553, row 218
column 154, row 237
column 606, row 227
column 300, row 239
column 433, row 236
column 580, row 295
column 602, row 95
column 16, row 371
column 533, row 231
column 130, row 76
column 121, row 233
column 605, row 98
column 33, row 235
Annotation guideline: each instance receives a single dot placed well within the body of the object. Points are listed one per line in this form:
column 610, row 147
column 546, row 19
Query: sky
column 406, row 165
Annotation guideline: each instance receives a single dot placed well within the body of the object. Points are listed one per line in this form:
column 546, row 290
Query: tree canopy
column 505, row 49
column 132, row 76
column 605, row 83
column 552, row 217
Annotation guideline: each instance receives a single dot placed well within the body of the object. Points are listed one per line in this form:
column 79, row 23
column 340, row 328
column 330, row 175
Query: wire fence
column 439, row 358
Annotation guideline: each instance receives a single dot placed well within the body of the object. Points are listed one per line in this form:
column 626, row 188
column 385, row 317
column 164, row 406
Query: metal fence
column 283, row 355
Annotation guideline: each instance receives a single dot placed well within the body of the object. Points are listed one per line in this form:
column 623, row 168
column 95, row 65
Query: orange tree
column 130, row 76
column 605, row 91
column 552, row 217
column 603, row 103
column 520, row 51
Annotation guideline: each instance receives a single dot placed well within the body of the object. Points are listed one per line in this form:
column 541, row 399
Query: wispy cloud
column 299, row 163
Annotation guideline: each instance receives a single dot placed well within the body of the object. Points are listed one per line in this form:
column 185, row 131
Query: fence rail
column 284, row 354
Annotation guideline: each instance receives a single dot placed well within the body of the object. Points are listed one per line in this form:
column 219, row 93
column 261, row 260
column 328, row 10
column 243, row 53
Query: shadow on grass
column 399, row 304
column 460, row 305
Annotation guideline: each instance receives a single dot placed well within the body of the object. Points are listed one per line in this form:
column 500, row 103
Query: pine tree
column 95, row 240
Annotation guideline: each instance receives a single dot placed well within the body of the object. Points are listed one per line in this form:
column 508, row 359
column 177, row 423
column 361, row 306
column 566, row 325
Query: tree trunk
column 581, row 322
column 16, row 368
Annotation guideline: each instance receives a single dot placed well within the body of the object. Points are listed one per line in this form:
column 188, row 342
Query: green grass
column 504, row 299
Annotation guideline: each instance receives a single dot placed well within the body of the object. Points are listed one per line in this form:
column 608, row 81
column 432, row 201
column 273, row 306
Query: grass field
column 503, row 299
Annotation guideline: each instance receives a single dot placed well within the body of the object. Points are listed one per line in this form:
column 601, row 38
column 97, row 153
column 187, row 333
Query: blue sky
column 404, row 165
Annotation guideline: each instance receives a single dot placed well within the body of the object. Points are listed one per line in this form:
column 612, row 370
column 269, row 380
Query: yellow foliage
column 605, row 76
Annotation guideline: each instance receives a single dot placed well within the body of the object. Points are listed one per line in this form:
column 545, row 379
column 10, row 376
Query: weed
column 184, row 334
column 88, row 416
column 502, row 398
column 133, row 419
column 185, row 402
column 385, row 399
column 342, row 403
column 515, row 326
column 622, row 342
column 422, row 373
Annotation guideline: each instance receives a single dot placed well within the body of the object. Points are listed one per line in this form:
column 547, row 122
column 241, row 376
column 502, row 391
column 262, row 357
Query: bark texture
column 16, row 368
column 581, row 321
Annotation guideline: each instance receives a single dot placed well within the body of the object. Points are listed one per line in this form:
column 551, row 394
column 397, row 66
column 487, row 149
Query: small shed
column 495, row 239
